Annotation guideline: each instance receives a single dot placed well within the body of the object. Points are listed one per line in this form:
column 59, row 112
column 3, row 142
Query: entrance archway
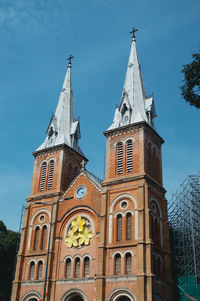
column 123, row 294
column 123, row 298
column 74, row 297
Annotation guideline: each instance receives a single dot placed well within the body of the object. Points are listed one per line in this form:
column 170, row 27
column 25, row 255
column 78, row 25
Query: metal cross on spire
column 133, row 32
column 70, row 60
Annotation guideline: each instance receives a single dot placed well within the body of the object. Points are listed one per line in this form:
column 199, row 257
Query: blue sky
column 36, row 38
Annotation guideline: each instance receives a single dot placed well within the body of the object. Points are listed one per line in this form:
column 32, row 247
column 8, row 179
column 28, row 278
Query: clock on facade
column 80, row 192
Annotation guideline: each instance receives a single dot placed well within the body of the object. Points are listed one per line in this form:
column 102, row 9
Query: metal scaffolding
column 184, row 220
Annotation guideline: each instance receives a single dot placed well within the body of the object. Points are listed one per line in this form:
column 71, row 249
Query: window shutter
column 44, row 237
column 40, row 266
column 150, row 160
column 119, row 158
column 154, row 163
column 69, row 175
column 86, row 267
column 129, row 156
column 68, row 268
column 50, row 176
column 37, row 231
column 77, row 268
column 128, row 263
column 117, row 264
column 43, row 176
column 119, row 227
column 128, row 226
column 32, row 270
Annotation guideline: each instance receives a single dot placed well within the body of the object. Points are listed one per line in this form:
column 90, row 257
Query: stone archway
column 74, row 297
column 122, row 294
column 123, row 298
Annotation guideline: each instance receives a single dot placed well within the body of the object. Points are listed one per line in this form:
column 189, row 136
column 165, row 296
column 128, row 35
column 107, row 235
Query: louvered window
column 117, row 264
column 129, row 156
column 69, row 175
column 32, row 270
column 36, row 242
column 128, row 226
column 50, row 176
column 158, row 267
column 119, row 227
column 150, row 160
column 43, row 176
column 75, row 172
column 86, row 267
column 119, row 158
column 68, row 268
column 128, row 267
column 154, row 163
column 44, row 237
column 77, row 268
column 40, row 266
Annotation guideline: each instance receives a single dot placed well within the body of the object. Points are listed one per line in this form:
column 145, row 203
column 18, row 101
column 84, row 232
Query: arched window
column 154, row 163
column 129, row 156
column 117, row 264
column 69, row 174
column 43, row 176
column 154, row 265
column 151, row 227
column 50, row 175
column 40, row 266
column 36, row 241
column 156, row 229
column 44, row 237
column 150, row 159
column 128, row 226
column 119, row 227
column 68, row 268
column 128, row 263
column 86, row 267
column 158, row 268
column 119, row 158
column 32, row 270
column 77, row 268
column 75, row 171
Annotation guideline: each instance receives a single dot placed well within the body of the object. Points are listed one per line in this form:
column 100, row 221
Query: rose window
column 79, row 233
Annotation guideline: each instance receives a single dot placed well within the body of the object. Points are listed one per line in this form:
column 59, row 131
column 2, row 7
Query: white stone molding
column 68, row 257
column 157, row 203
column 117, row 252
column 122, row 197
column 122, row 292
column 32, row 294
column 72, row 293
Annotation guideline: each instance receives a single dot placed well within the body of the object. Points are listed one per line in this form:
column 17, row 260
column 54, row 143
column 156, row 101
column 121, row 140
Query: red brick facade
column 128, row 257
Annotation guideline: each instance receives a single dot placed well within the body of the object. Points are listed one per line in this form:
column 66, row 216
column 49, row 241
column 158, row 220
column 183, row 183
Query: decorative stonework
column 79, row 233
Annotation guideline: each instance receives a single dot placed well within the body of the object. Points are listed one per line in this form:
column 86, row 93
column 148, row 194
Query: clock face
column 81, row 191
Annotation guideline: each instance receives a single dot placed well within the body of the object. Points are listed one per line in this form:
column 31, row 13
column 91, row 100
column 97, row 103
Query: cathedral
column 89, row 240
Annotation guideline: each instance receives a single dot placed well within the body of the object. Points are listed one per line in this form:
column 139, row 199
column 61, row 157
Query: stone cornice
column 129, row 128
column 126, row 179
column 54, row 149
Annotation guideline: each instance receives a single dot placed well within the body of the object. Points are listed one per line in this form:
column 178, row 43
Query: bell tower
column 58, row 159
column 57, row 162
column 137, row 233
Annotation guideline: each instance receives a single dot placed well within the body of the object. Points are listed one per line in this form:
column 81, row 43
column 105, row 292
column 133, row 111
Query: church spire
column 134, row 106
column 63, row 127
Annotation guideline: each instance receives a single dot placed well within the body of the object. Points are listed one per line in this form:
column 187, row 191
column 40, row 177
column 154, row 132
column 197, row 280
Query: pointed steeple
column 134, row 106
column 63, row 128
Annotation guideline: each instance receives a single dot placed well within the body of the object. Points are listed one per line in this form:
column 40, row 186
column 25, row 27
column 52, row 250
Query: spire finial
column 70, row 60
column 133, row 33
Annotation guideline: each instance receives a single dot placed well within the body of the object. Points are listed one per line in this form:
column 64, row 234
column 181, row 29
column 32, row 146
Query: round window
column 123, row 204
